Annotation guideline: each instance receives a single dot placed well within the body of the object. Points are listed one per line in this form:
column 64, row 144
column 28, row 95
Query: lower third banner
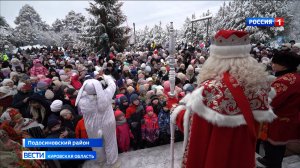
column 59, row 155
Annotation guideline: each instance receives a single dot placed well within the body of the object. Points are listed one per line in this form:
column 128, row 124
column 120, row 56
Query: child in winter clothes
column 123, row 132
column 150, row 128
column 164, row 124
column 134, row 116
column 80, row 130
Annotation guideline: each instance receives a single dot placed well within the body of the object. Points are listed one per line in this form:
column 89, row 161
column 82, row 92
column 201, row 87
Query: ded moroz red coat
column 286, row 105
column 215, row 132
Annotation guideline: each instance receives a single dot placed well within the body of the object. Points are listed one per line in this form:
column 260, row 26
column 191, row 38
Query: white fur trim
column 236, row 51
column 186, row 127
column 196, row 105
column 272, row 94
column 175, row 113
column 264, row 115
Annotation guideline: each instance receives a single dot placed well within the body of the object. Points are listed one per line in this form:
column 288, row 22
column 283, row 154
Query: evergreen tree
column 57, row 26
column 108, row 19
column 6, row 33
column 27, row 25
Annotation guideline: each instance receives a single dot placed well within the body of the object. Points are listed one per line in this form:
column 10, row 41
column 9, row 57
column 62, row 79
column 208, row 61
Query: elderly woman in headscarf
column 95, row 105
column 24, row 127
column 38, row 69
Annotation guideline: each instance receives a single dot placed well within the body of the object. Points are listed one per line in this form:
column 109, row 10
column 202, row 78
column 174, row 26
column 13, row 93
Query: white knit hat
column 56, row 105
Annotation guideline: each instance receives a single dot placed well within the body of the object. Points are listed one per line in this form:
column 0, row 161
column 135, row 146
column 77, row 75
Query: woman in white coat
column 95, row 105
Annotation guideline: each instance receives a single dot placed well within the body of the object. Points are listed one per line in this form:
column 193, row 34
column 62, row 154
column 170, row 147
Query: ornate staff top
column 172, row 72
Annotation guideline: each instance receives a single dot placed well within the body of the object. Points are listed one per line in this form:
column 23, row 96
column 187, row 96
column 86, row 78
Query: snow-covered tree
column 57, row 25
column 233, row 15
column 73, row 21
column 294, row 32
column 6, row 33
column 109, row 19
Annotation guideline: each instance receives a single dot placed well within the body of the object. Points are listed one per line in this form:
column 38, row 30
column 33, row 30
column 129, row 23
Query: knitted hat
column 49, row 94
column 148, row 69
column 130, row 89
column 53, row 120
column 129, row 82
column 118, row 113
column 56, row 105
column 190, row 68
column 42, row 85
column 123, row 99
column 143, row 66
column 188, row 87
column 149, row 108
column 134, row 97
column 230, row 44
column 159, row 92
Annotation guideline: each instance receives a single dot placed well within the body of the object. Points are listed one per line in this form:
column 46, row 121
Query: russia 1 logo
column 279, row 22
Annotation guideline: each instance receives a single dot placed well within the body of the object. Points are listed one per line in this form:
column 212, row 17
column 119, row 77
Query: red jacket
column 123, row 137
column 130, row 110
column 75, row 82
column 150, row 129
column 80, row 130
column 286, row 105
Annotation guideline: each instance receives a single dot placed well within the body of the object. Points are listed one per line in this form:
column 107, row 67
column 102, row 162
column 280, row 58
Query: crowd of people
column 39, row 88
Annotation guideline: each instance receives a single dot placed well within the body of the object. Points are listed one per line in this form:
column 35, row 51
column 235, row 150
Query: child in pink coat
column 123, row 132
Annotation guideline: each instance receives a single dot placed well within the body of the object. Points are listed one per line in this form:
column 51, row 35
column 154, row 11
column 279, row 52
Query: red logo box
column 279, row 22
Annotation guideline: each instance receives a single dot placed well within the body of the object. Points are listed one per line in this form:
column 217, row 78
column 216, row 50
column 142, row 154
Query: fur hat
column 134, row 97
column 286, row 58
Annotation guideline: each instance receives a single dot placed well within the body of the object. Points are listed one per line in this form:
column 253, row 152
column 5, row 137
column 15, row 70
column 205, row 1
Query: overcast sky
column 142, row 13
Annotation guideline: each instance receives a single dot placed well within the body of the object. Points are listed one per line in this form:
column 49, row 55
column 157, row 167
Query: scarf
column 121, row 122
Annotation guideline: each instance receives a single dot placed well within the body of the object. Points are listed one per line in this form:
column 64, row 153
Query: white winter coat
column 99, row 119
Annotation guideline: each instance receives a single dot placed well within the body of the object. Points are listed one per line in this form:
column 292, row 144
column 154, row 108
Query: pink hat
column 118, row 113
column 149, row 108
